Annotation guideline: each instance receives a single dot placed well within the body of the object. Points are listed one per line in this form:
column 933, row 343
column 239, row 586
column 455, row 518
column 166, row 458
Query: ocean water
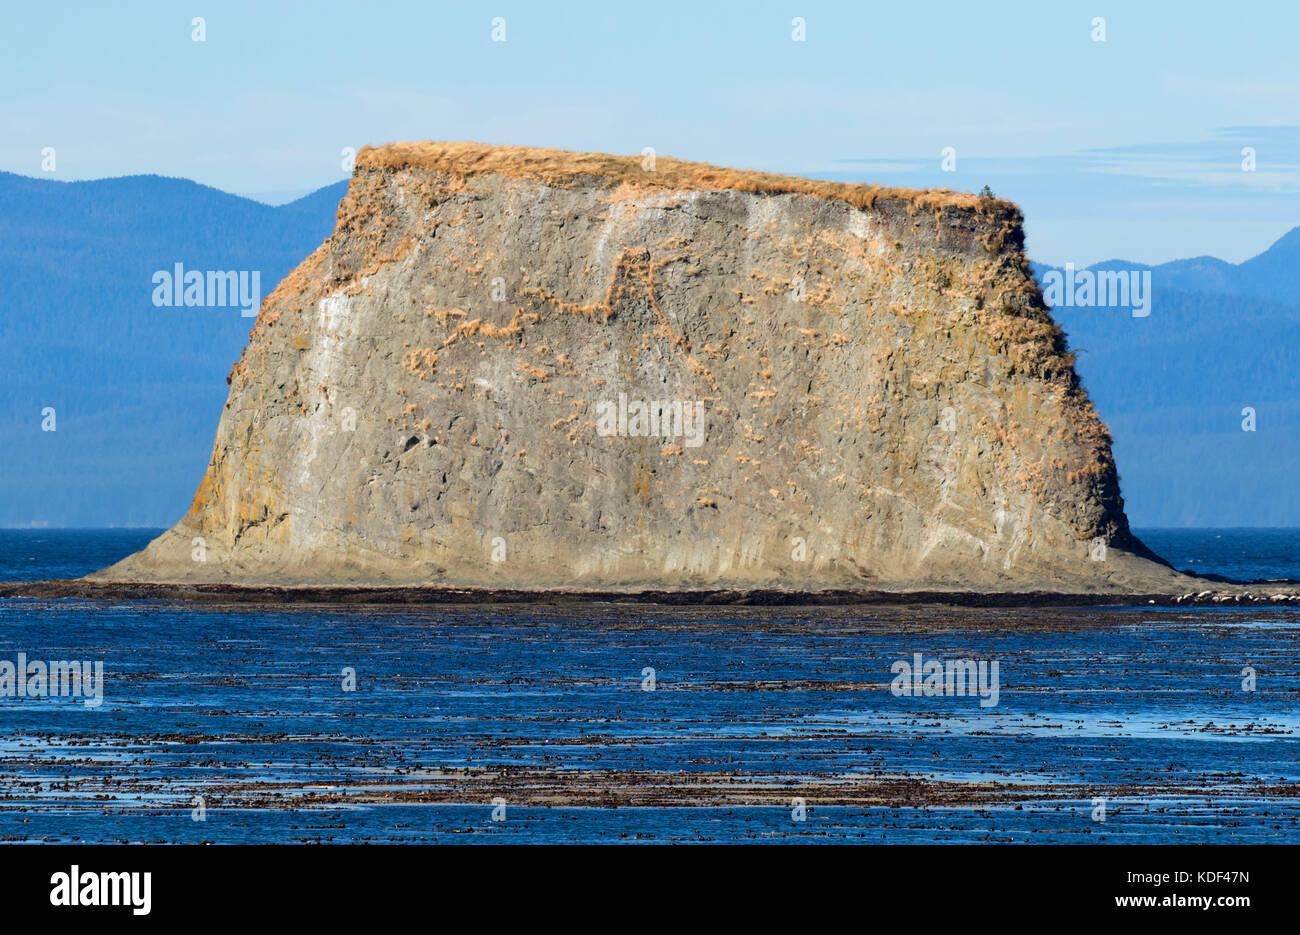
column 1239, row 554
column 59, row 554
column 618, row 722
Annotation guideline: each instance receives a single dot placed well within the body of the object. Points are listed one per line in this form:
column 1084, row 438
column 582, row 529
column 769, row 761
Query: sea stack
column 527, row 368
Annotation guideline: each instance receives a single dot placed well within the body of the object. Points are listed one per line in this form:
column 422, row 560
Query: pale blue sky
column 1128, row 148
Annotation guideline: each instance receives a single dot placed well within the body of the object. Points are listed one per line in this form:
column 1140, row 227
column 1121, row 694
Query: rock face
column 859, row 388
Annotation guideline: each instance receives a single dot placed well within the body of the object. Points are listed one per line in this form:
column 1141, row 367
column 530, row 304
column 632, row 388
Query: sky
column 1129, row 147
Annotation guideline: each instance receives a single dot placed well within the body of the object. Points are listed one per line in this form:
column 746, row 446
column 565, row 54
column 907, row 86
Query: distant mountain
column 1172, row 386
column 136, row 389
column 1273, row 275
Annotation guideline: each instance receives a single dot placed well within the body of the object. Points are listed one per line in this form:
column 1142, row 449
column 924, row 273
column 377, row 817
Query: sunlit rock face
column 526, row 368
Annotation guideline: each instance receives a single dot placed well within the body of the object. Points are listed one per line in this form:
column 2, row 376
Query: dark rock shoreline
column 1269, row 593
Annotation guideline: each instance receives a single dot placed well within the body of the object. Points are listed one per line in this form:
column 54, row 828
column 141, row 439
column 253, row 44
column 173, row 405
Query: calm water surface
column 544, row 710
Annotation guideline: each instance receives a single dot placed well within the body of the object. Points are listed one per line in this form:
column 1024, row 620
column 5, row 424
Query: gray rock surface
column 884, row 401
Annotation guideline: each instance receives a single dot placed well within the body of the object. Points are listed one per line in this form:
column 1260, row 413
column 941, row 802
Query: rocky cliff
column 512, row 367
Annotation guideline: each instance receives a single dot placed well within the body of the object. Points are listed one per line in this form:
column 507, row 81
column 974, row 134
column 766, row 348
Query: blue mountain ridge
column 136, row 389
column 1220, row 338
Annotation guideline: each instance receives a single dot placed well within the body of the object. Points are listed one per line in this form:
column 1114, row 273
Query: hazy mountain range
column 137, row 389
column 1173, row 386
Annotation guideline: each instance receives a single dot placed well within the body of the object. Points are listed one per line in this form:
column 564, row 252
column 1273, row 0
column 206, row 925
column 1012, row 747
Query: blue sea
column 575, row 723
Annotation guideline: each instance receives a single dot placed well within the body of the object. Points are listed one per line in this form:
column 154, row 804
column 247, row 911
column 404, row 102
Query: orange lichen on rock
column 562, row 167
column 421, row 362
